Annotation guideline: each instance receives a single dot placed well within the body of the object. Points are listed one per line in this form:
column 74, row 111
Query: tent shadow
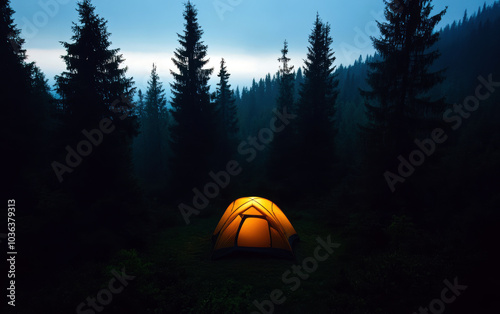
column 258, row 253
column 247, row 255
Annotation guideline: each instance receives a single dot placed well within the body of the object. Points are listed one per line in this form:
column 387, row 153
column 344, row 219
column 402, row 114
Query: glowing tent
column 254, row 224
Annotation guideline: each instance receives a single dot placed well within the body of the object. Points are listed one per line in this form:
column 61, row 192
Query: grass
column 231, row 284
column 382, row 266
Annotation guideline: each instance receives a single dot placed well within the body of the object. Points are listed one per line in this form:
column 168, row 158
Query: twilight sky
column 249, row 34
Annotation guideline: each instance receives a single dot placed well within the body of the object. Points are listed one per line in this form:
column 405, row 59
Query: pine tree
column 249, row 111
column 237, row 93
column 225, row 102
column 193, row 135
column 286, row 86
column 253, row 107
column 94, row 79
column 139, row 142
column 14, row 89
column 299, row 80
column 94, row 88
column 268, row 102
column 141, row 104
column 227, row 111
column 45, row 118
column 397, row 108
column 154, row 127
column 26, row 112
column 316, row 107
column 282, row 147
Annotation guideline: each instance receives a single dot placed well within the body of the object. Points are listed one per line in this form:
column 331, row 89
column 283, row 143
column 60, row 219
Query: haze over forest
column 128, row 130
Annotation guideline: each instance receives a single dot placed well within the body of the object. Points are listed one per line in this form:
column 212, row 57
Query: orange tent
column 254, row 224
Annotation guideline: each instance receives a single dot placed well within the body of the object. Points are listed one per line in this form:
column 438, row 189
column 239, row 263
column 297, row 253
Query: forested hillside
column 396, row 157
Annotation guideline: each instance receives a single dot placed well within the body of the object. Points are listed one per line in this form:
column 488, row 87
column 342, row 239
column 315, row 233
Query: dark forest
column 113, row 193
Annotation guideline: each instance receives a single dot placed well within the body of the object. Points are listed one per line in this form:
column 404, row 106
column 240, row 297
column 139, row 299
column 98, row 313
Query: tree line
column 173, row 149
column 352, row 122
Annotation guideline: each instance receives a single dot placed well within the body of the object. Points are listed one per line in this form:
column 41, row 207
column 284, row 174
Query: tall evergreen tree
column 193, row 135
column 299, row 80
column 141, row 104
column 282, row 148
column 227, row 111
column 26, row 111
column 45, row 117
column 139, row 142
column 316, row 107
column 14, row 91
column 154, row 130
column 397, row 107
column 93, row 89
column 237, row 93
column 286, row 82
column 252, row 106
column 225, row 102
column 94, row 79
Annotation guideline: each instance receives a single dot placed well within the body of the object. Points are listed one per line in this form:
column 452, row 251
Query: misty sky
column 249, row 34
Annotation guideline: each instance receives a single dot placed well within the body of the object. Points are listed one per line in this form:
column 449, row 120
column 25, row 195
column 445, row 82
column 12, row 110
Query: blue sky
column 249, row 34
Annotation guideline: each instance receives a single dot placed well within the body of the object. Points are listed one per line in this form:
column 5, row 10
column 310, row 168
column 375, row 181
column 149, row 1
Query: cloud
column 49, row 60
column 242, row 66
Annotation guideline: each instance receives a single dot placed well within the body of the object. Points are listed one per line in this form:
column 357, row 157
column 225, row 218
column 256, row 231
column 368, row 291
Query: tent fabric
column 254, row 224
